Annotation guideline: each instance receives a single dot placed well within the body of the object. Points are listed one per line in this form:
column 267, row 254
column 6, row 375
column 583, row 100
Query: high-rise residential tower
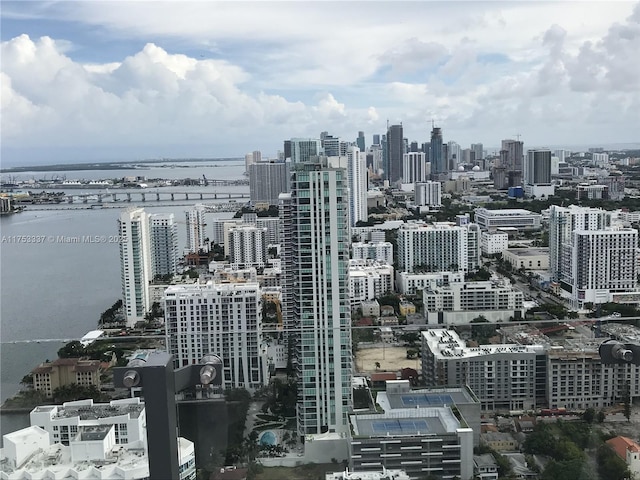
column 225, row 318
column 149, row 248
column 395, row 152
column 315, row 259
column 479, row 150
column 603, row 262
column 196, row 235
column 436, row 156
column 247, row 246
column 357, row 173
column 563, row 221
column 164, row 244
column 537, row 174
column 135, row 263
column 414, row 167
column 267, row 180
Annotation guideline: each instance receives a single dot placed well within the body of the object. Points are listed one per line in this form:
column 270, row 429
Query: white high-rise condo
column 196, row 235
column 135, row 263
column 438, row 247
column 603, row 262
column 315, row 260
column 428, row 194
column 357, row 172
column 414, row 167
column 225, row 318
column 164, row 245
column 248, row 246
column 563, row 221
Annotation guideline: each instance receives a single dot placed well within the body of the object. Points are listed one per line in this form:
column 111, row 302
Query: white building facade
column 428, row 194
column 135, row 263
column 563, row 221
column 196, row 234
column 411, row 283
column 464, row 301
column 220, row 318
column 378, row 251
column 438, row 247
column 414, row 167
column 357, row 172
column 603, row 262
column 494, row 242
column 369, row 280
column 511, row 218
column 164, row 244
column 247, row 246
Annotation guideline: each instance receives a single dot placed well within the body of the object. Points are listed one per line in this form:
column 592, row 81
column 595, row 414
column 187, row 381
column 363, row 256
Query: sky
column 107, row 81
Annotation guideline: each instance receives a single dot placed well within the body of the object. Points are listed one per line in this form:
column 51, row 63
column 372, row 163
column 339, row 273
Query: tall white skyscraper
column 603, row 262
column 225, row 318
column 414, row 167
column 149, row 248
column 135, row 263
column 357, row 172
column 164, row 244
column 196, row 235
column 428, row 193
column 563, row 221
column 315, row 259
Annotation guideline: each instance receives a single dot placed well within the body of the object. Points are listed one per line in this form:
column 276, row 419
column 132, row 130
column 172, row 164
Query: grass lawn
column 312, row 471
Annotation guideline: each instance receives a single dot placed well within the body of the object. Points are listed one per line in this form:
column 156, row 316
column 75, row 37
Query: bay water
column 52, row 290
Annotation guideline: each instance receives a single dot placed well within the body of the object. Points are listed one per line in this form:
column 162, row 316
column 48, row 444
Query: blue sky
column 88, row 81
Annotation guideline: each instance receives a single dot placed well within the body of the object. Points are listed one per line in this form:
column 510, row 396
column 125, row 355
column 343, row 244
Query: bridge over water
column 151, row 196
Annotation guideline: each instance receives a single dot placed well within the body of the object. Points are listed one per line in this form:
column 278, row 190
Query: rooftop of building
column 485, row 460
column 447, row 344
column 621, row 445
column 87, row 410
column 36, row 457
column 423, row 398
column 497, row 437
column 529, row 252
column 360, row 475
column 212, row 286
column 506, row 212
column 406, row 422
column 77, row 364
column 625, row 333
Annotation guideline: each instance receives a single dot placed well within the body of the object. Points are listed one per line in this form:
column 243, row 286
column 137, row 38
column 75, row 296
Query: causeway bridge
column 151, row 196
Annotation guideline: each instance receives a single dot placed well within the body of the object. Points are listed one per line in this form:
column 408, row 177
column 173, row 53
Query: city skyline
column 89, row 82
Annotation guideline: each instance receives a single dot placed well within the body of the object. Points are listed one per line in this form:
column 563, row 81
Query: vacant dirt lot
column 391, row 359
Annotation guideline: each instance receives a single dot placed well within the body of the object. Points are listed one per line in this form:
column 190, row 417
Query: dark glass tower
column 436, row 155
column 395, row 153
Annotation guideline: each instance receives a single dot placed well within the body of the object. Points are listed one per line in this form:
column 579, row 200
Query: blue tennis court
column 424, row 400
column 400, row 425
